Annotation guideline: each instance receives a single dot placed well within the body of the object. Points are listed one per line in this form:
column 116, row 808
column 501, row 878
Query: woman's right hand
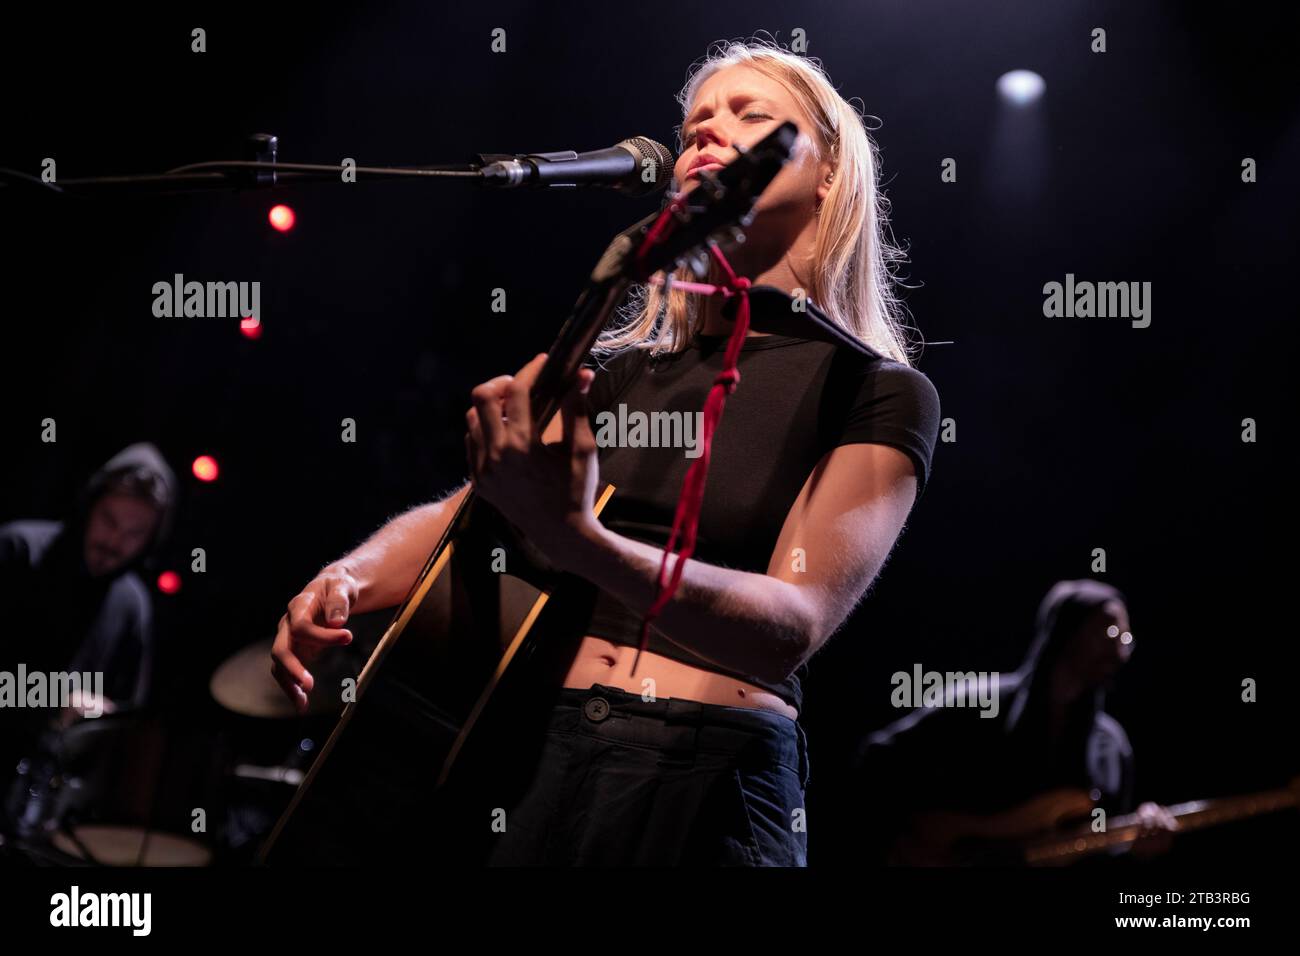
column 313, row 622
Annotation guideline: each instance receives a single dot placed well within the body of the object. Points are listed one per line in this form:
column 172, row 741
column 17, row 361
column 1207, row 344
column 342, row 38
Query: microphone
column 635, row 167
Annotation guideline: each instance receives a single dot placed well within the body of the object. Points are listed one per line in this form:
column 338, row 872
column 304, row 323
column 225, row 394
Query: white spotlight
column 1021, row 87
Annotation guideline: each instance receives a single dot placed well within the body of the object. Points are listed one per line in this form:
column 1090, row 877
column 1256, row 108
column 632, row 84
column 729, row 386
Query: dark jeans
column 624, row 782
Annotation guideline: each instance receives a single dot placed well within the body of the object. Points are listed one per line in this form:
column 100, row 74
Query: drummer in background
column 72, row 596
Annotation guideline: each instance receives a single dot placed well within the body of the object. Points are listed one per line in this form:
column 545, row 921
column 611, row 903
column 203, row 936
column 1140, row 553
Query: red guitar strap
column 687, row 519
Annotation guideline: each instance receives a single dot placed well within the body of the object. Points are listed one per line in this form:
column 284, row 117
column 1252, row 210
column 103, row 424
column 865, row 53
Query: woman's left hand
column 547, row 491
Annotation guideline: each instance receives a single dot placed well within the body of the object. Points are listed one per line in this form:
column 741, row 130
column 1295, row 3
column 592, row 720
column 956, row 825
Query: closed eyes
column 751, row 114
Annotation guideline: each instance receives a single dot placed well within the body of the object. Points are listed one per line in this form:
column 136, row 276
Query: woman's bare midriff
column 601, row 662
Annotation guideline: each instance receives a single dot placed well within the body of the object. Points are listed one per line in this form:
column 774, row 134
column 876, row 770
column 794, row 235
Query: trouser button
column 596, row 709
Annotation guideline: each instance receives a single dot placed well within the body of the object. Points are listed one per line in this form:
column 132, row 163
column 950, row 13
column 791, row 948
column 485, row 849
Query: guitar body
column 450, row 709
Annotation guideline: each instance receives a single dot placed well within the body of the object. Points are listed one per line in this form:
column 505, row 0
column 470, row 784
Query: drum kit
column 136, row 789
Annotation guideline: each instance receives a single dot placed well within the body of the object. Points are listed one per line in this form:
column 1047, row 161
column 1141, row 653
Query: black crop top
column 797, row 399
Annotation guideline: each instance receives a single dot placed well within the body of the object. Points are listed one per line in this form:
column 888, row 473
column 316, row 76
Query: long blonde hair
column 854, row 256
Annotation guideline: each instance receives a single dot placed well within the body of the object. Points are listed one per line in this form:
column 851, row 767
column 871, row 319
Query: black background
column 1072, row 433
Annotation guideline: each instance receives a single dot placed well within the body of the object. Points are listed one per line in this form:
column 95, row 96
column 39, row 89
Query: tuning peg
column 699, row 263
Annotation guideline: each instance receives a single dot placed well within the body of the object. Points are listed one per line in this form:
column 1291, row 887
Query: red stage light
column 282, row 217
column 169, row 582
column 205, row 468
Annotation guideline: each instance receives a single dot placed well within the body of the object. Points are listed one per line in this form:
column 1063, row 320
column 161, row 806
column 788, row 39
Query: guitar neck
column 572, row 346
column 1192, row 815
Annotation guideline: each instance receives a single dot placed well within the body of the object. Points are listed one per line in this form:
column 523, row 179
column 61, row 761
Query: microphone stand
column 261, row 171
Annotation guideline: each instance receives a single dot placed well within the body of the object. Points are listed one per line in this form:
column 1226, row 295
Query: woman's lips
column 699, row 169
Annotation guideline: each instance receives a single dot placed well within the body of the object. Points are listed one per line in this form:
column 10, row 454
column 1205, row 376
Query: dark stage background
column 1071, row 433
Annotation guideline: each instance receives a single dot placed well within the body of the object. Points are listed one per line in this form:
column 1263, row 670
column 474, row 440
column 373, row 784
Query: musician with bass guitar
column 953, row 786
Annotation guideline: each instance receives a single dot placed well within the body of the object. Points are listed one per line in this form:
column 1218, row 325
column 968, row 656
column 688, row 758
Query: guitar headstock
column 721, row 205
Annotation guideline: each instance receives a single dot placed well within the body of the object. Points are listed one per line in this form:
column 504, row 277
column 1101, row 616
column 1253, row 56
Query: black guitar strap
column 773, row 312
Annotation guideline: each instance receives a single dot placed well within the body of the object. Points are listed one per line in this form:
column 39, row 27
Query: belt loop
column 685, row 713
column 803, row 754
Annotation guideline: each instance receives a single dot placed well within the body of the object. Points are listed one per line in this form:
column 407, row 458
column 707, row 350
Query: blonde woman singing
column 697, row 758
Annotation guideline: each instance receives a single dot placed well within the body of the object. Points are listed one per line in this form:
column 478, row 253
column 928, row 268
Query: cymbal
column 243, row 684
column 132, row 846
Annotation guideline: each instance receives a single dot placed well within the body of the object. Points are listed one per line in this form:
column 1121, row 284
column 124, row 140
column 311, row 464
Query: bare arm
column 835, row 540
column 377, row 574
column 384, row 566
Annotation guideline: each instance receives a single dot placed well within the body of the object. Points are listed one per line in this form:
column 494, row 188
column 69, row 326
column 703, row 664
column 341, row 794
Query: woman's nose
column 709, row 133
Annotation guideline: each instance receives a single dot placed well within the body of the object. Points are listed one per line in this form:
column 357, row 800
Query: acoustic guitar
column 450, row 708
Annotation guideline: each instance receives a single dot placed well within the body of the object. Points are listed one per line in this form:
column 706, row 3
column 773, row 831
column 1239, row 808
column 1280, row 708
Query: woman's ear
column 826, row 174
column 824, row 187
